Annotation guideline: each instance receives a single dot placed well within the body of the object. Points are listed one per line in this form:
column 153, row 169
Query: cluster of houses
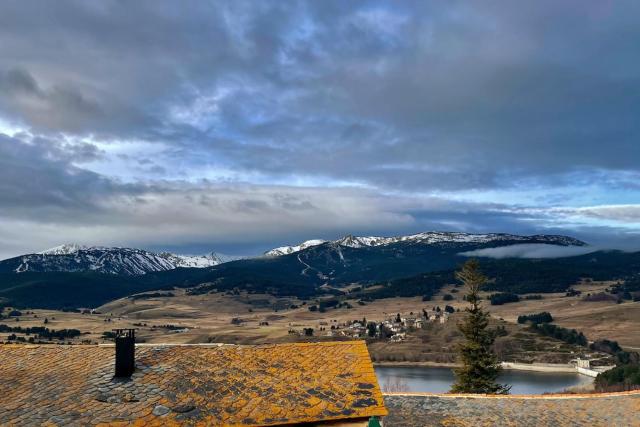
column 394, row 327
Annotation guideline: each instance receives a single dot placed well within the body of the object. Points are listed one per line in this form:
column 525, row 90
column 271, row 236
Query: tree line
column 42, row 332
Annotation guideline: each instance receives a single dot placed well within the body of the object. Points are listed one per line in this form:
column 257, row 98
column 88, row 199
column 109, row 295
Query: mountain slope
column 119, row 261
column 369, row 259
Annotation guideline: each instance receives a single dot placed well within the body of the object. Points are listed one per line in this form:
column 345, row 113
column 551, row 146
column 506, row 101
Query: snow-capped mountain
column 285, row 250
column 127, row 261
column 66, row 249
column 430, row 238
column 195, row 261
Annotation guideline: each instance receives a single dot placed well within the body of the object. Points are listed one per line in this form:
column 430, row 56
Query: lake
column 439, row 380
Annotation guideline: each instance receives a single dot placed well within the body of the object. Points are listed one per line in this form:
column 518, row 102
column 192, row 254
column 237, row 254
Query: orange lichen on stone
column 188, row 385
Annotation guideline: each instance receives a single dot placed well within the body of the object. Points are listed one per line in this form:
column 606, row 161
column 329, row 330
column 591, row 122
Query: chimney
column 125, row 352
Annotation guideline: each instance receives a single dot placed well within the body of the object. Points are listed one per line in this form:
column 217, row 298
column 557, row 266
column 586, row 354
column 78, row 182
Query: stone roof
column 594, row 410
column 207, row 385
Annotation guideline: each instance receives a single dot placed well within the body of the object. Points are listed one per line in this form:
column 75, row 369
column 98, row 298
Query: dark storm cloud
column 385, row 94
column 38, row 179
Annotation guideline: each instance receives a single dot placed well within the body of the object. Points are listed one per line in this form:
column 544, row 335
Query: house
column 583, row 363
column 396, row 328
column 398, row 337
column 409, row 322
column 214, row 385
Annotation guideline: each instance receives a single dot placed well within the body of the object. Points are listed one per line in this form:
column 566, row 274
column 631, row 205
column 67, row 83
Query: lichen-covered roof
column 188, row 385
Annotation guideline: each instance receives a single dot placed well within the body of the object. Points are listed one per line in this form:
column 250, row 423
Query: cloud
column 531, row 251
column 204, row 122
column 234, row 216
column 620, row 213
column 47, row 198
column 38, row 178
column 410, row 96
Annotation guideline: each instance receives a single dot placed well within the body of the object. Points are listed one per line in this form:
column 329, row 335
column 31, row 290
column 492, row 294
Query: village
column 393, row 328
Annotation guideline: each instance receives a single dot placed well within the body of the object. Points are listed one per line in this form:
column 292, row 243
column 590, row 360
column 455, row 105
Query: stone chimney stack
column 125, row 352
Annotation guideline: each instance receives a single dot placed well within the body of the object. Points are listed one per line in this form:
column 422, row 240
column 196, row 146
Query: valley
column 398, row 293
column 244, row 318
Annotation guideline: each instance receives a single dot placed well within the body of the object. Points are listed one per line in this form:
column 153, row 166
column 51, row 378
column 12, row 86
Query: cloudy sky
column 238, row 126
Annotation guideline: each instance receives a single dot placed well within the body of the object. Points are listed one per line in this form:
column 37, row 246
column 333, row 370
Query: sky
column 240, row 126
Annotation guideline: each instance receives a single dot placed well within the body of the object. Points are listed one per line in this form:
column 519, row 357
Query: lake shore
column 436, row 378
column 536, row 367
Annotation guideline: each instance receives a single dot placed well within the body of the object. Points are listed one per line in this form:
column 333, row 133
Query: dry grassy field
column 263, row 318
column 208, row 318
column 596, row 319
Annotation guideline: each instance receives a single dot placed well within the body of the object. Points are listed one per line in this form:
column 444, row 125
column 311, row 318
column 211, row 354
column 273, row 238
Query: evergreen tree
column 480, row 366
column 371, row 329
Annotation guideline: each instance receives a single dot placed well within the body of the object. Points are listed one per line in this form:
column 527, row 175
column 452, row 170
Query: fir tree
column 480, row 366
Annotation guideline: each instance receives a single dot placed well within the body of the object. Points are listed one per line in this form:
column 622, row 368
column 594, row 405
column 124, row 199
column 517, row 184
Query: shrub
column 503, row 298
column 570, row 336
column 108, row 335
column 328, row 304
column 612, row 347
column 625, row 377
column 573, row 293
column 543, row 317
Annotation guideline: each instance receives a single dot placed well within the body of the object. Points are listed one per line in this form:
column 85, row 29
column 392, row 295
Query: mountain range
column 119, row 261
column 130, row 261
column 430, row 238
column 75, row 276
column 305, row 268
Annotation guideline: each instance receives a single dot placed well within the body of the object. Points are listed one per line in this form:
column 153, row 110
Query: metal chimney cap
column 124, row 333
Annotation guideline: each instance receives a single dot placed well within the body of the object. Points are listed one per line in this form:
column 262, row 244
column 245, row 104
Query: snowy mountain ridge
column 66, row 249
column 429, row 238
column 109, row 260
column 285, row 250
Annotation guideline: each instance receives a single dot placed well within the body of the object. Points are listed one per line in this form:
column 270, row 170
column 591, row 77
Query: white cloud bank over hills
column 531, row 250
